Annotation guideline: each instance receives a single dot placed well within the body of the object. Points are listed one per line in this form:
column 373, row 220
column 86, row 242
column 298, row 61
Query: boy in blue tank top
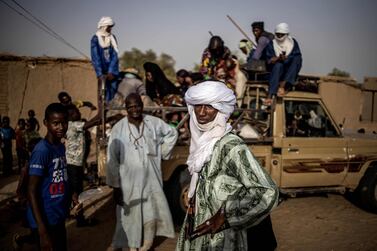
column 48, row 187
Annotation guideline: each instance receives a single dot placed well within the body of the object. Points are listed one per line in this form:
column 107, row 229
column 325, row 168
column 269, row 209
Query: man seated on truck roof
column 263, row 38
column 256, row 60
column 284, row 61
column 246, row 47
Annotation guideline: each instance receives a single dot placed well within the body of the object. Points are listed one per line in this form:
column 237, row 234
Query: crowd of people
column 25, row 131
column 230, row 193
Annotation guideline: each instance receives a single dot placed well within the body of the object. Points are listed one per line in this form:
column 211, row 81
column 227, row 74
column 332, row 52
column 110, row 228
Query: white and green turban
column 204, row 137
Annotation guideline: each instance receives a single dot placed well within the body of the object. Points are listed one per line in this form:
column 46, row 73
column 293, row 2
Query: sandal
column 267, row 102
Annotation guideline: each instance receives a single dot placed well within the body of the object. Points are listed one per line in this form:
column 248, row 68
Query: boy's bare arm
column 89, row 104
column 35, row 203
column 97, row 121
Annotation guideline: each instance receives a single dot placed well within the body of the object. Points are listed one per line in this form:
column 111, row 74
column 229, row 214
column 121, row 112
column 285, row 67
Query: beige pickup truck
column 300, row 145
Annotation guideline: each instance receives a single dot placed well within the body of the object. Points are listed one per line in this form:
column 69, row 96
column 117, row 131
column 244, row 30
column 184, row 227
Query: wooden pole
column 240, row 29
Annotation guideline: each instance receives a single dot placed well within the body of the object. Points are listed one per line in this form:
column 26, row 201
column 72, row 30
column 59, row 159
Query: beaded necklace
column 135, row 139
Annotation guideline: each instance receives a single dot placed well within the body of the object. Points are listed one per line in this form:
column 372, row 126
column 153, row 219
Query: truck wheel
column 367, row 189
column 177, row 194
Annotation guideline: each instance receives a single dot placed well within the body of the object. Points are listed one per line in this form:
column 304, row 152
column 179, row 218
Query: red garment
column 20, row 140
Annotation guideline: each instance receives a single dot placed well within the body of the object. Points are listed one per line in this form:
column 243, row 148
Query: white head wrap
column 246, row 44
column 285, row 43
column 105, row 21
column 282, row 28
column 106, row 39
column 204, row 136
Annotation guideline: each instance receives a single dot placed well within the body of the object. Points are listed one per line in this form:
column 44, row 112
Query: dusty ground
column 307, row 223
column 324, row 223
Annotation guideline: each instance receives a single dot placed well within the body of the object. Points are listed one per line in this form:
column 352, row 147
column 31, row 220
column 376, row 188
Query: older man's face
column 205, row 113
column 134, row 107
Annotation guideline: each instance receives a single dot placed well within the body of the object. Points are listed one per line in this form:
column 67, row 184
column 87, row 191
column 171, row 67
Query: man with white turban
column 229, row 190
column 104, row 53
column 284, row 60
column 246, row 47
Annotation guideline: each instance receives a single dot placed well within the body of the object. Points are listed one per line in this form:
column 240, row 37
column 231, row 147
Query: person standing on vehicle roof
column 284, row 59
column 104, row 53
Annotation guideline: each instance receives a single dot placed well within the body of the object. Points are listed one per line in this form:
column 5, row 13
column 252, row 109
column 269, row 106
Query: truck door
column 313, row 151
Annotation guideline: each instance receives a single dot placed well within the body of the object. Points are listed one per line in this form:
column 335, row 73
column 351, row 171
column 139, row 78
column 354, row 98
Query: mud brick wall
column 33, row 83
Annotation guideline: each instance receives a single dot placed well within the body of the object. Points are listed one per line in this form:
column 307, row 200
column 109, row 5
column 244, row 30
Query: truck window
column 307, row 119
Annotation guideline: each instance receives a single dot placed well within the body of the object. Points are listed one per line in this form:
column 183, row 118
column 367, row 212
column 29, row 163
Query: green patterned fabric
column 233, row 178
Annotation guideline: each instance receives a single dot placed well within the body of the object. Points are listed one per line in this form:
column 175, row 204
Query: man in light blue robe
column 136, row 146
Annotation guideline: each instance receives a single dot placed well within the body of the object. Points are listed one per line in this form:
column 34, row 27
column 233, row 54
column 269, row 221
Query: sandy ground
column 306, row 223
column 324, row 223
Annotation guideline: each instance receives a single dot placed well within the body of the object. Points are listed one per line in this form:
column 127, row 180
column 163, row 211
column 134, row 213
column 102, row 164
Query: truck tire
column 176, row 191
column 367, row 189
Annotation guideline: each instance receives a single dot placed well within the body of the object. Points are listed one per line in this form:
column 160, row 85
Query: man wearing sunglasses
column 284, row 61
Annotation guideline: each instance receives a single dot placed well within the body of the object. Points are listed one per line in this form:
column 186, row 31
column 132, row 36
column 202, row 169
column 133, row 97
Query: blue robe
column 104, row 61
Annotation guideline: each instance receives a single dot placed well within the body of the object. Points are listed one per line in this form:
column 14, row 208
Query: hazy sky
column 331, row 33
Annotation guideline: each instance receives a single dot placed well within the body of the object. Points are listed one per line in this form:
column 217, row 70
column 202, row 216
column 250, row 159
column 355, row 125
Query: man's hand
column 90, row 105
column 274, row 60
column 211, row 226
column 44, row 238
column 110, row 76
column 282, row 57
column 75, row 198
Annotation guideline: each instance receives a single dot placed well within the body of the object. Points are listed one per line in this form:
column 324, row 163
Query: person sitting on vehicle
column 158, row 86
column 262, row 38
column 256, row 60
column 284, row 60
column 246, row 46
column 315, row 125
column 298, row 126
column 130, row 82
column 183, row 80
column 214, row 58
column 195, row 77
